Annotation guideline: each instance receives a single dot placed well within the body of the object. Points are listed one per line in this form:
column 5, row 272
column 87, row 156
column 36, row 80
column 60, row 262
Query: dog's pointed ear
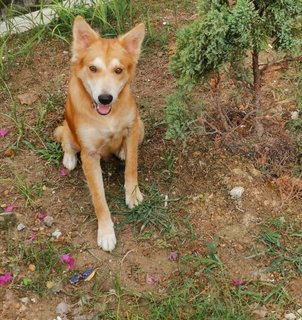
column 83, row 36
column 133, row 40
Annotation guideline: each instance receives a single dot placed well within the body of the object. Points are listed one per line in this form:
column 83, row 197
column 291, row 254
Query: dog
column 101, row 117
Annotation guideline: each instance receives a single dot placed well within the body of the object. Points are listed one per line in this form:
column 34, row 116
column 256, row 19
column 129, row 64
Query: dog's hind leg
column 69, row 145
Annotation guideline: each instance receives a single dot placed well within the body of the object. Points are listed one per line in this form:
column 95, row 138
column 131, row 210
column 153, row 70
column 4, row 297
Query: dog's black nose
column 105, row 98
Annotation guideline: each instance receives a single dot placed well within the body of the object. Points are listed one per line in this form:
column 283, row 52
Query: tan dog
column 101, row 117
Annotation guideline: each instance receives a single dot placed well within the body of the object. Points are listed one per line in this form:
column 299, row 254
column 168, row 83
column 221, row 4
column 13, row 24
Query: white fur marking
column 99, row 63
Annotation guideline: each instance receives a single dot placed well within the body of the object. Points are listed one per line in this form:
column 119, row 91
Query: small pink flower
column 32, row 237
column 3, row 132
column 4, row 279
column 66, row 258
column 63, row 172
column 151, row 279
column 238, row 282
column 10, row 208
column 41, row 216
column 173, row 256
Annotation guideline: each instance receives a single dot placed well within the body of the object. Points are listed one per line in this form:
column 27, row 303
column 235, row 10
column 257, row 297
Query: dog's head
column 105, row 66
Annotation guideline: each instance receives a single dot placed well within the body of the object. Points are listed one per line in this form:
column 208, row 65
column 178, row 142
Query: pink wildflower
column 41, row 216
column 3, row 132
column 10, row 208
column 66, row 258
column 32, row 237
column 63, row 172
column 238, row 282
column 173, row 256
column 151, row 279
column 4, row 279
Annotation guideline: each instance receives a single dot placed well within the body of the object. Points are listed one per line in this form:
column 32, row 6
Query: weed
column 44, row 255
column 28, row 191
column 52, row 151
column 281, row 245
column 151, row 212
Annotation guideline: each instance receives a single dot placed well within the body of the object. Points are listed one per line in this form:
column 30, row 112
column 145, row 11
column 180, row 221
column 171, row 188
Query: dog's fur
column 102, row 67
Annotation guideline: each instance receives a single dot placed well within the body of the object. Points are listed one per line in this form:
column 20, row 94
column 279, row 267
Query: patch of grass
column 281, row 244
column 30, row 192
column 52, row 151
column 44, row 255
column 150, row 213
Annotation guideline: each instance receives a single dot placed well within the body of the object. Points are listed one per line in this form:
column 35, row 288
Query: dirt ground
column 199, row 180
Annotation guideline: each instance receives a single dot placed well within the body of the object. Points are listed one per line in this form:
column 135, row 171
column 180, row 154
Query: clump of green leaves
column 224, row 33
column 176, row 117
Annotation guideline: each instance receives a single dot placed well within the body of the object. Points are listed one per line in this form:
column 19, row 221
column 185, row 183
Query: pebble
column 57, row 233
column 62, row 308
column 31, row 267
column 21, row 227
column 299, row 311
column 294, row 115
column 25, row 300
column 48, row 220
column 290, row 316
column 236, row 193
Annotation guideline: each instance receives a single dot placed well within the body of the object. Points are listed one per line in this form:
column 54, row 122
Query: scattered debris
column 66, row 258
column 75, row 278
column 236, row 193
column 57, row 233
column 88, row 274
column 21, row 227
column 27, row 98
column 6, row 278
column 48, row 221
column 173, row 256
column 62, row 308
column 3, row 132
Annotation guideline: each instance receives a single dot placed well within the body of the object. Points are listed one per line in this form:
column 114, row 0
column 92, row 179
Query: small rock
column 299, row 311
column 236, row 193
column 62, row 308
column 57, row 233
column 25, row 300
column 21, row 227
column 294, row 115
column 49, row 284
column 48, row 220
column 290, row 316
column 31, row 267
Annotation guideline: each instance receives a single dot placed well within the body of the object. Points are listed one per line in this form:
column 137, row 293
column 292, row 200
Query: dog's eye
column 93, row 69
column 118, row 70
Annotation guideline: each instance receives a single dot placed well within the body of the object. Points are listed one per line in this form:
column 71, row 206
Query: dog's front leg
column 133, row 194
column 91, row 165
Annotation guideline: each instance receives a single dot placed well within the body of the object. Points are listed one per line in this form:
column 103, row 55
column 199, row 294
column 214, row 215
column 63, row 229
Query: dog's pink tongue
column 104, row 108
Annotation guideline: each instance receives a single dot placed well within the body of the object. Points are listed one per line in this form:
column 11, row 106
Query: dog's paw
column 69, row 161
column 133, row 196
column 106, row 238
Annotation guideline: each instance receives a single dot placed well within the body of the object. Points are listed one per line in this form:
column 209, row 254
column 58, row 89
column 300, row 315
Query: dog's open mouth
column 102, row 109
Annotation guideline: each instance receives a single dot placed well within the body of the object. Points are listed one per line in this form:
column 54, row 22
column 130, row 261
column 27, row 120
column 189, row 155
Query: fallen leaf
column 4, row 279
column 66, row 258
column 27, row 98
column 3, row 132
column 9, row 153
